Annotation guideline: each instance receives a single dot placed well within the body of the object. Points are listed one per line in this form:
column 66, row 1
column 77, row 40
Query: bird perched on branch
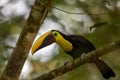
column 73, row 45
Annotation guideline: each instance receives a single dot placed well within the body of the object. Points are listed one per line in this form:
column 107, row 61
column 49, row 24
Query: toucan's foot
column 82, row 56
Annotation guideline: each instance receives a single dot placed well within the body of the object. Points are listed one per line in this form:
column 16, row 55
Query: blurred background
column 102, row 15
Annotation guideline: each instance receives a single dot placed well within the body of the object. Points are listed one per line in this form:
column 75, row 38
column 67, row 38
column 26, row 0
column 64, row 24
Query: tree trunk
column 29, row 31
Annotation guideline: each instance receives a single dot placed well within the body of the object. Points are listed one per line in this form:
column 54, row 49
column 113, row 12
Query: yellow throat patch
column 63, row 43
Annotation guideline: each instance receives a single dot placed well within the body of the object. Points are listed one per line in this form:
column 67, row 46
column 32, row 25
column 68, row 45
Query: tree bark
column 29, row 31
column 78, row 62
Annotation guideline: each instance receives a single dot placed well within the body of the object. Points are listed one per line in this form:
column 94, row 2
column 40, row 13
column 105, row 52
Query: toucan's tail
column 105, row 70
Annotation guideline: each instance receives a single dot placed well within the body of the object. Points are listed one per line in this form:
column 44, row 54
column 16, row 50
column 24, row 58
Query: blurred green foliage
column 71, row 24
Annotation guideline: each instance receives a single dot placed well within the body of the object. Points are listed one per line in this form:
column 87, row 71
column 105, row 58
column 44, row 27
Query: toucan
column 73, row 45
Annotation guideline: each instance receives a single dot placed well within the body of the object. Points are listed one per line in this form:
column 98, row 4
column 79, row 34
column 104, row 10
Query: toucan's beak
column 43, row 41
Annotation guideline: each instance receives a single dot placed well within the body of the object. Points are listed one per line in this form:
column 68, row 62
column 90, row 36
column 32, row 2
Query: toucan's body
column 75, row 46
column 80, row 45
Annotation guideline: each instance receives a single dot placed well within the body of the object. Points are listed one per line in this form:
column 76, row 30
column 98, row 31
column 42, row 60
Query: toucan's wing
column 80, row 41
column 80, row 45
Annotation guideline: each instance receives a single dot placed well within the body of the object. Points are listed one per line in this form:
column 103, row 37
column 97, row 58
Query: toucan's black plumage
column 73, row 45
column 82, row 45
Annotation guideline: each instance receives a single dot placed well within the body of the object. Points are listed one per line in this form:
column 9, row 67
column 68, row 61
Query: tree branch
column 77, row 62
column 29, row 31
column 77, row 13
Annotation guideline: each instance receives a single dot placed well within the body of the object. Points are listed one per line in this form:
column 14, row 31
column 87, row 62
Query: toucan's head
column 50, row 37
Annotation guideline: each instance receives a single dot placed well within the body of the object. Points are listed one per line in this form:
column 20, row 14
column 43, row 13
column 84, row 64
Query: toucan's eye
column 55, row 34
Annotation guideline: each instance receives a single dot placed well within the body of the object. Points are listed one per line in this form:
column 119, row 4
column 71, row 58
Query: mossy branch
column 78, row 62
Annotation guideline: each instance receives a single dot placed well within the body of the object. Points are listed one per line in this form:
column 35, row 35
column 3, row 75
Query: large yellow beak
column 43, row 41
